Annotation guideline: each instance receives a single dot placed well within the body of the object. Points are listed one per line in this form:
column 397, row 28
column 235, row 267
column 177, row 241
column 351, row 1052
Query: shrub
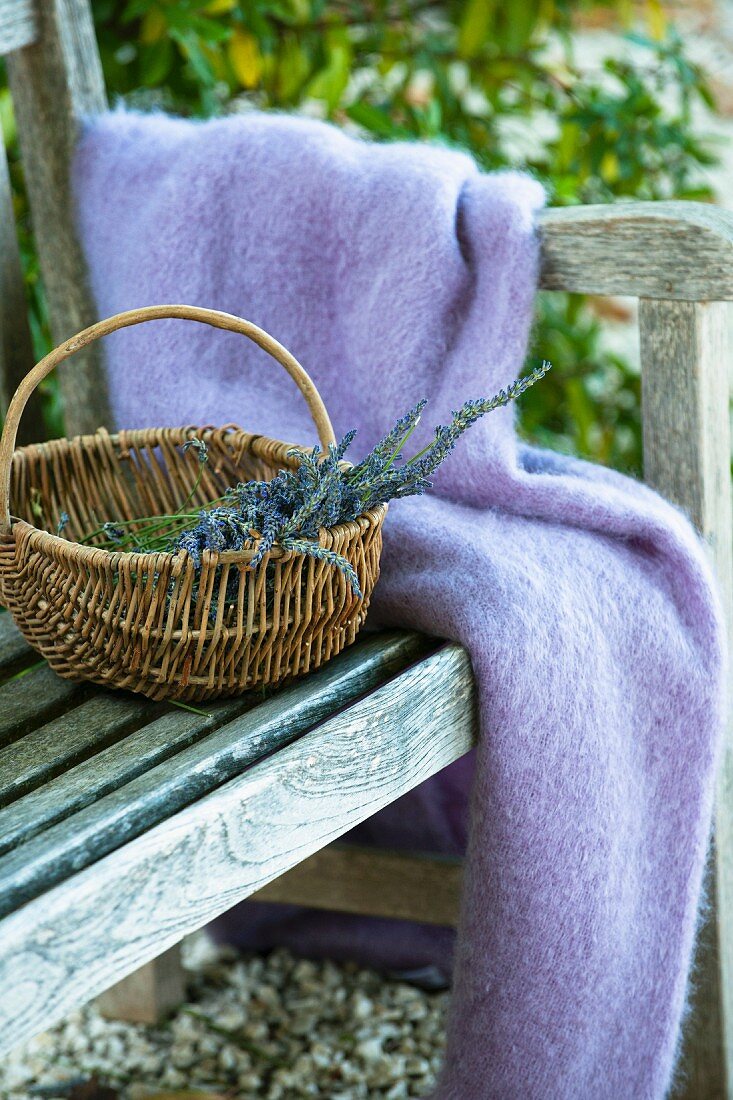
column 501, row 80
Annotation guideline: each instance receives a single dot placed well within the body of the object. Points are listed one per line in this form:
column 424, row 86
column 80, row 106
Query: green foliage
column 499, row 79
column 594, row 406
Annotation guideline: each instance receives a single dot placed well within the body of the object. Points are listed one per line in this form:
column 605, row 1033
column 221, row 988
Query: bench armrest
column 671, row 250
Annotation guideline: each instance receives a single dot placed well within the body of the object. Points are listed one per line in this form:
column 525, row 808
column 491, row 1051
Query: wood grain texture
column 16, row 348
column 159, row 791
column 18, row 24
column 111, row 766
column 668, row 250
column 685, row 352
column 58, row 745
column 367, row 664
column 180, row 874
column 702, row 1073
column 149, row 994
column 54, row 83
column 14, row 649
column 684, row 355
column 34, row 698
column 374, row 883
column 661, row 251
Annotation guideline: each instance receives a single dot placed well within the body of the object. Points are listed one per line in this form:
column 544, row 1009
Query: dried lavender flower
column 447, row 435
column 113, row 531
column 321, row 491
column 199, row 446
column 313, row 549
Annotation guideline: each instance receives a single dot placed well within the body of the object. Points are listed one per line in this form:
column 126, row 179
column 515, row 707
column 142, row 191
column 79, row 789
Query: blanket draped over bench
column 585, row 601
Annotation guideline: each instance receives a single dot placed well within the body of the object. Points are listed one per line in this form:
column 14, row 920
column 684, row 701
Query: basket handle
column 212, row 317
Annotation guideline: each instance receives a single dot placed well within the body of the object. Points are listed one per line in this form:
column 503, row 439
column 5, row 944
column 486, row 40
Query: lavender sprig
column 320, row 492
column 387, row 450
column 426, row 462
column 313, row 549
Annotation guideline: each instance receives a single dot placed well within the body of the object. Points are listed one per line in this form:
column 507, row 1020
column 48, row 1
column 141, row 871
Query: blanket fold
column 395, row 272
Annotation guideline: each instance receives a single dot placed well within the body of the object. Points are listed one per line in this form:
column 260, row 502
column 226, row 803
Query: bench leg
column 685, row 353
column 150, row 993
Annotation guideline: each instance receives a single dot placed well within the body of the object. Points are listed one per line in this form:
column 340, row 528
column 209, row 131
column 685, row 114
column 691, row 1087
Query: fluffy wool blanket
column 395, row 272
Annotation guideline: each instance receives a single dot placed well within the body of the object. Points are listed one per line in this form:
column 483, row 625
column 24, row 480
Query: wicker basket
column 128, row 620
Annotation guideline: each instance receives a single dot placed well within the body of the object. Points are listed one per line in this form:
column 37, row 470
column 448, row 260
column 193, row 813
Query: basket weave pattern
column 134, row 620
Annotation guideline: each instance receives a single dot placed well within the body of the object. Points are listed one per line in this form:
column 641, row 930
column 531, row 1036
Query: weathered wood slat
column 669, row 250
column 111, row 767
column 18, row 24
column 374, row 883
column 685, row 351
column 65, row 741
column 160, row 791
column 55, row 83
column 14, row 649
column 371, row 660
column 147, row 895
column 34, row 698
column 16, row 346
column 685, row 364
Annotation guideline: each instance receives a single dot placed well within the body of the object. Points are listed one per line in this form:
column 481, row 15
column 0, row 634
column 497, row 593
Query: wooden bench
column 125, row 825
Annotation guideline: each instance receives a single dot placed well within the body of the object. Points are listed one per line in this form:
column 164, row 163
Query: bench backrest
column 677, row 258
column 55, row 77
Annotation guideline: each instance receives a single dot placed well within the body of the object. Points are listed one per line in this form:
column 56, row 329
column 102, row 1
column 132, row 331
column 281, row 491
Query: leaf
column 293, row 67
column 473, row 31
column 610, row 167
column 219, row 7
column 135, row 9
column 520, row 21
column 375, row 120
column 568, row 144
column 196, row 57
column 156, row 61
column 190, row 26
column 245, row 58
column 626, row 13
column 656, row 20
column 330, row 82
column 7, row 117
column 154, row 26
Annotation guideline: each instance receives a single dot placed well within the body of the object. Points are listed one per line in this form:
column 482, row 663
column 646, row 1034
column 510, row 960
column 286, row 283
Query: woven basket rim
column 95, row 554
column 257, row 440
column 124, row 436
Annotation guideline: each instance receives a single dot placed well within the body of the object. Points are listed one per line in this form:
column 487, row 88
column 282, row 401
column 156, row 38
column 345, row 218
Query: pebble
column 183, row 1056
column 361, row 1007
column 369, row 1050
column 232, row 1019
column 259, row 1027
column 173, row 1079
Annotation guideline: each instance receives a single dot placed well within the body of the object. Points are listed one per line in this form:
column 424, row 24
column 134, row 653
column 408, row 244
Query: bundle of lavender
column 322, row 491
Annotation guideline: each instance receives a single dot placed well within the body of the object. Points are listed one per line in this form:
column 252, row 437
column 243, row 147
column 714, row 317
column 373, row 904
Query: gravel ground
column 275, row 1028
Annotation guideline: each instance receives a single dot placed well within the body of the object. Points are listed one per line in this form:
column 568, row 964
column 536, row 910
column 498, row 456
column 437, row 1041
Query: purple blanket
column 585, row 601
